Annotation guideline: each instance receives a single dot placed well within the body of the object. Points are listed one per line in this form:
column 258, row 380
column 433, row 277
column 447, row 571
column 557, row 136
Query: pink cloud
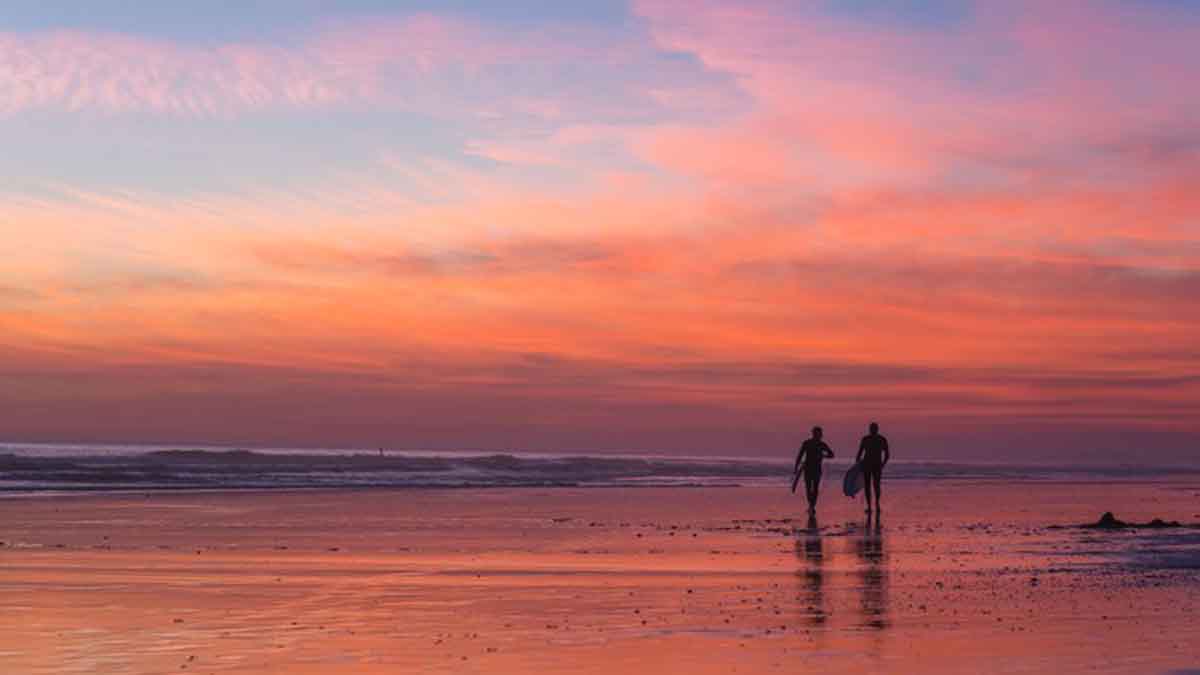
column 878, row 102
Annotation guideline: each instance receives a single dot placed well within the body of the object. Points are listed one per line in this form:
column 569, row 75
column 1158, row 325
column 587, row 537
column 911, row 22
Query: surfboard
column 853, row 482
column 796, row 479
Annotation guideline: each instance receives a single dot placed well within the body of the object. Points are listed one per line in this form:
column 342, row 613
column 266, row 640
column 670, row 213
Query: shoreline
column 18, row 493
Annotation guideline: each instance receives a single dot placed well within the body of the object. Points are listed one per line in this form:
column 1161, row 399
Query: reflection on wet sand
column 810, row 547
column 873, row 574
column 444, row 581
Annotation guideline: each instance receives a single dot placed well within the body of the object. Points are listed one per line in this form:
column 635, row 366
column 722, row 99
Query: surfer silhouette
column 812, row 452
column 873, row 454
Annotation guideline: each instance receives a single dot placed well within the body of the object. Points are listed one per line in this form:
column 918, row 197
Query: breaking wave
column 233, row 469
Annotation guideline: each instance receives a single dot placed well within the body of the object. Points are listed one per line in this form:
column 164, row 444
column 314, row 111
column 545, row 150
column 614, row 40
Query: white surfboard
column 852, row 484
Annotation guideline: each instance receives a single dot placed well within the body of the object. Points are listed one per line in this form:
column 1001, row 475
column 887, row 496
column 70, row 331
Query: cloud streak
column 419, row 62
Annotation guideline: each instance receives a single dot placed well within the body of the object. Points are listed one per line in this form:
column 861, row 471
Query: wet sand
column 956, row 576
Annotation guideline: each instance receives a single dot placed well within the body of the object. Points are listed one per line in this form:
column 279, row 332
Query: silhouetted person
column 874, row 455
column 812, row 452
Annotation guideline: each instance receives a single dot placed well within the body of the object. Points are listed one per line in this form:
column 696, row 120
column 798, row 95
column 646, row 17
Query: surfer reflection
column 873, row 574
column 810, row 547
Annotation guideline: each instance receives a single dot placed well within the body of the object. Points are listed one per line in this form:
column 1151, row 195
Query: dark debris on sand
column 1110, row 522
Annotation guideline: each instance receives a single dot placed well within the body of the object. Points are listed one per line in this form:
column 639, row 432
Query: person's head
column 818, row 432
column 874, row 428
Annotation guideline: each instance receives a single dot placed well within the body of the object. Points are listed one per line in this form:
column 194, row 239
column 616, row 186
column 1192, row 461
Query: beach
column 955, row 576
column 366, row 337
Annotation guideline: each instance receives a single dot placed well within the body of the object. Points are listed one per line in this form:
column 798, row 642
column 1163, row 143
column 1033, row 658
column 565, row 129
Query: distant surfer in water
column 873, row 454
column 812, row 452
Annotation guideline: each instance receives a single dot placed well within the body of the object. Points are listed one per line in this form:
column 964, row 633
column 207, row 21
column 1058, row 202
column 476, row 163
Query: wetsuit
column 812, row 453
column 873, row 453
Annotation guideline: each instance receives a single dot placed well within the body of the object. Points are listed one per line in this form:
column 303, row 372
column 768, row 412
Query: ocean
column 52, row 468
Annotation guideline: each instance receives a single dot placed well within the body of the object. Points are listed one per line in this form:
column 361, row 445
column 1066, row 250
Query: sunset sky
column 674, row 226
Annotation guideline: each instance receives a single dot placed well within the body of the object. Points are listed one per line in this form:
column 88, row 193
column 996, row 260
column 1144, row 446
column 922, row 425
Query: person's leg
column 876, row 476
column 867, row 486
column 811, row 481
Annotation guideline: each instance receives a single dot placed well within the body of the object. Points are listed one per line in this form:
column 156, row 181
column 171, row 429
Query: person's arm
column 828, row 452
column 799, row 458
column 862, row 450
column 887, row 454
